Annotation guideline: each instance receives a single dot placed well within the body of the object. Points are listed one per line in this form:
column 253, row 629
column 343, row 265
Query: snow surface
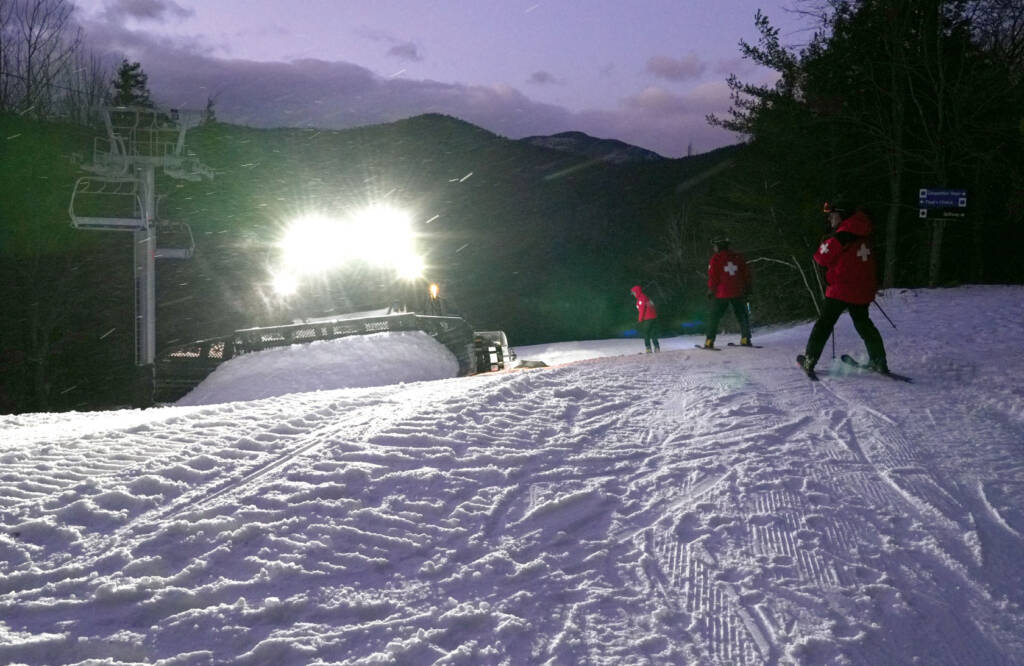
column 686, row 507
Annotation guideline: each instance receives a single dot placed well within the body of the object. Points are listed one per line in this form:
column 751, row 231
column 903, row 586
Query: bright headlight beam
column 409, row 267
column 285, row 284
column 313, row 244
column 378, row 235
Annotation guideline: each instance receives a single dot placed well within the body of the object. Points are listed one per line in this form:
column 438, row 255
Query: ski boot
column 807, row 364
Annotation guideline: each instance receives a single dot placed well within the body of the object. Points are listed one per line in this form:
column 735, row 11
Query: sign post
column 939, row 206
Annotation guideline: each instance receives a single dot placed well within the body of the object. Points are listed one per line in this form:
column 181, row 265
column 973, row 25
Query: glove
column 711, row 295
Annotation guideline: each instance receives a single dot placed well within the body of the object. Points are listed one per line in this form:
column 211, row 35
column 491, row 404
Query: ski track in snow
column 673, row 508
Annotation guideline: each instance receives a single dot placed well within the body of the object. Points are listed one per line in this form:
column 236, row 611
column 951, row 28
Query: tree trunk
column 897, row 160
column 935, row 253
column 6, row 78
column 938, row 145
column 892, row 224
column 40, row 350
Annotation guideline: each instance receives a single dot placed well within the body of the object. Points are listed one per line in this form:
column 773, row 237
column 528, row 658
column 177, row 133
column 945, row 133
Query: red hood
column 857, row 224
column 637, row 290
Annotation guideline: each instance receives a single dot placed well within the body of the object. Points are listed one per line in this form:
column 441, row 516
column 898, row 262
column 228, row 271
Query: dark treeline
column 890, row 97
column 46, row 71
column 884, row 99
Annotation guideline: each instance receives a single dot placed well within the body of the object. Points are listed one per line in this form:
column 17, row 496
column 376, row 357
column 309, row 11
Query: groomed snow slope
column 683, row 507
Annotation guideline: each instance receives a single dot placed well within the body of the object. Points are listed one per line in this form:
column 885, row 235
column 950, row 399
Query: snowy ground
column 685, row 507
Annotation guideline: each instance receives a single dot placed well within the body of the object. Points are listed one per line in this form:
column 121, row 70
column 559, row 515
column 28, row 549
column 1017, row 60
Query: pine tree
column 130, row 86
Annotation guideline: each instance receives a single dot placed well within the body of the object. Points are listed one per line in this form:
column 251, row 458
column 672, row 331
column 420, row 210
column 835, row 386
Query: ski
column 810, row 373
column 849, row 360
column 707, row 348
column 733, row 344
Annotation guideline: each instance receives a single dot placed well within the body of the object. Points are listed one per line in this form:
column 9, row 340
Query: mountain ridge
column 611, row 151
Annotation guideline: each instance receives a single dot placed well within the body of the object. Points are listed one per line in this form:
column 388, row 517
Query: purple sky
column 646, row 72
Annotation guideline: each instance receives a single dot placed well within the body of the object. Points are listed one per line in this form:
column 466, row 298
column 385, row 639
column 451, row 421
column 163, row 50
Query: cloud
column 374, row 35
column 665, row 122
column 406, row 51
column 543, row 78
column 676, row 69
column 112, row 39
column 657, row 101
column 145, row 10
column 710, row 96
column 339, row 95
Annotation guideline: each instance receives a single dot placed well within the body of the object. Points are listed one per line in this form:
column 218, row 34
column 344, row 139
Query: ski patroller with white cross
column 863, row 253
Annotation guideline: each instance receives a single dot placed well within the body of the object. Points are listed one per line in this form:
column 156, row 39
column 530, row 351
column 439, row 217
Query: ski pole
column 883, row 313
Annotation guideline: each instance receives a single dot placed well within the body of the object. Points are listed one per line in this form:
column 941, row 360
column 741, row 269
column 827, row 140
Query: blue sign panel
column 941, row 204
column 942, row 198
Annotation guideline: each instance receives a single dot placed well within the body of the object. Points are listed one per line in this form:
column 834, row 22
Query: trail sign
column 941, row 204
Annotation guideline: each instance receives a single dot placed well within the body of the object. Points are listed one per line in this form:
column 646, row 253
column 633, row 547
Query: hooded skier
column 847, row 256
column 647, row 316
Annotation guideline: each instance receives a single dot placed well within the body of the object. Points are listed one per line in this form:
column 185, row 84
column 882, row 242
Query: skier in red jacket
column 852, row 282
column 647, row 317
column 728, row 284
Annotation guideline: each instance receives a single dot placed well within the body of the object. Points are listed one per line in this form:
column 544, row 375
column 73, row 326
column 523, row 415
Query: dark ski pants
column 649, row 331
column 861, row 321
column 717, row 309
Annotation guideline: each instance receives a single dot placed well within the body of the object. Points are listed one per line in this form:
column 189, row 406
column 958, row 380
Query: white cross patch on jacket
column 824, row 248
column 731, row 269
column 864, row 252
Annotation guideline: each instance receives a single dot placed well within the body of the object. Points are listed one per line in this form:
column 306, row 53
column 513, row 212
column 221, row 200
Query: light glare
column 313, row 244
column 285, row 284
column 378, row 235
column 409, row 267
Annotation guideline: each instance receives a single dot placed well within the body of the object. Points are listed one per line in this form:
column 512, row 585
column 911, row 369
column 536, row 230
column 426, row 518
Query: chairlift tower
column 121, row 196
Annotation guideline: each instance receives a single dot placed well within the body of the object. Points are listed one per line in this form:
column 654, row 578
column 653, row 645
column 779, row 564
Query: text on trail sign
column 942, row 198
column 942, row 204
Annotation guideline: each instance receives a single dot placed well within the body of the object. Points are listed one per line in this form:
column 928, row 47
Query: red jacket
column 851, row 270
column 644, row 305
column 728, row 276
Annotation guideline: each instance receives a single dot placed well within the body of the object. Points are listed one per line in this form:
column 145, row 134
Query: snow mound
column 354, row 362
